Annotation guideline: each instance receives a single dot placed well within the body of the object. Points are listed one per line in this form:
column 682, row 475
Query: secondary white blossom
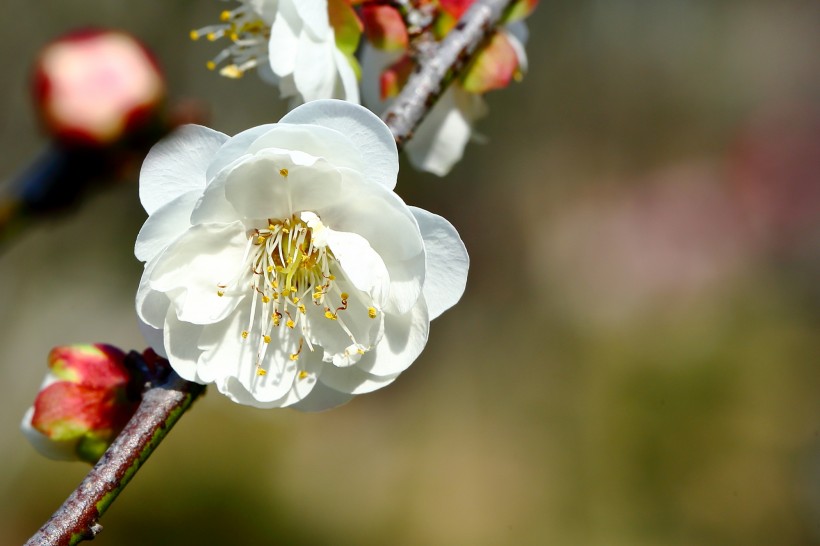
column 291, row 44
column 439, row 141
column 280, row 264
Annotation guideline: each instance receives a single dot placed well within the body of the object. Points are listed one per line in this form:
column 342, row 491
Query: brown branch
column 77, row 519
column 444, row 63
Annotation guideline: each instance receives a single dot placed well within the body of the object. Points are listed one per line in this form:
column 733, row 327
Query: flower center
column 249, row 36
column 291, row 268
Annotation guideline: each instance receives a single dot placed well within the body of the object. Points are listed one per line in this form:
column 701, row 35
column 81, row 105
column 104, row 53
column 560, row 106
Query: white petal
column 191, row 269
column 362, row 266
column 177, row 165
column 152, row 306
column 284, row 43
column 258, row 188
column 404, row 338
column 440, row 139
column 235, row 148
column 181, row 346
column 367, row 132
column 349, row 89
column 153, row 336
column 58, row 451
column 315, row 70
column 322, row 398
column 447, row 262
column 382, row 218
column 353, row 380
column 329, row 335
column 314, row 16
column 166, row 224
column 314, row 140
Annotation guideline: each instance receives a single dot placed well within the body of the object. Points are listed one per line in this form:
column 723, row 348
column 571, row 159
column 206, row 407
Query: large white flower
column 291, row 43
column 280, row 264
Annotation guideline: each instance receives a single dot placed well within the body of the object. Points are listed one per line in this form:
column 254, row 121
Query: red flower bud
column 83, row 403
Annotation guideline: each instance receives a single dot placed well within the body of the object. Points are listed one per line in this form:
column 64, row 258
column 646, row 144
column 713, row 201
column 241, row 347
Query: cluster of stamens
column 249, row 36
column 289, row 272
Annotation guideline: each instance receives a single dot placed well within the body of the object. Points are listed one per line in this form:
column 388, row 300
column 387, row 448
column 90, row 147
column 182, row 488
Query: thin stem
column 77, row 519
column 444, row 63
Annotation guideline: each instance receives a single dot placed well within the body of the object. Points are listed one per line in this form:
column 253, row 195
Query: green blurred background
column 634, row 361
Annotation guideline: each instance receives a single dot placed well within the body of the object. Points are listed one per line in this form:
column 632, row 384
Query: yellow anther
column 220, row 293
column 360, row 351
column 371, row 312
column 276, row 296
column 344, row 296
column 295, row 299
column 266, row 339
column 302, row 308
column 260, row 239
column 194, row 35
column 330, row 315
column 293, row 289
column 270, row 269
column 271, row 227
column 294, row 356
column 231, row 71
column 317, row 295
column 260, row 371
column 211, row 65
column 331, row 277
column 225, row 15
column 234, row 36
column 290, row 323
column 265, row 299
column 211, row 37
column 283, row 172
column 303, row 374
column 276, row 319
column 244, row 334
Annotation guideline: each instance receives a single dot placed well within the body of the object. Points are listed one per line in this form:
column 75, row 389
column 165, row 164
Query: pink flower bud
column 94, row 87
column 83, row 403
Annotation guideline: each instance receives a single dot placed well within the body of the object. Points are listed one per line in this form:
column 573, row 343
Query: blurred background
column 635, row 360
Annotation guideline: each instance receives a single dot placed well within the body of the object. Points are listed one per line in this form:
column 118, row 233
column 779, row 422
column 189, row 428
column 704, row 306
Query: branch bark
column 445, row 62
column 77, row 519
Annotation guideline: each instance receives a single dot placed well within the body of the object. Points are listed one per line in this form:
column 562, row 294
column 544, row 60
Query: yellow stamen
column 371, row 312
column 231, row 71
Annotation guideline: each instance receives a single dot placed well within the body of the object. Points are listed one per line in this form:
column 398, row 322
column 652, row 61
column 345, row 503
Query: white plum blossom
column 291, row 43
column 281, row 266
